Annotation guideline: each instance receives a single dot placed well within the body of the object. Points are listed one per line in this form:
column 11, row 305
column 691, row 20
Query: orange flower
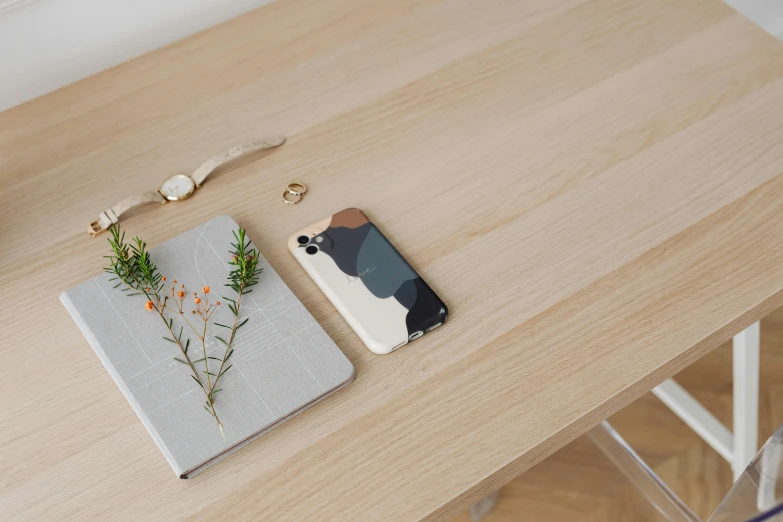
column 205, row 289
column 196, row 300
column 163, row 278
column 149, row 305
column 181, row 294
column 217, row 304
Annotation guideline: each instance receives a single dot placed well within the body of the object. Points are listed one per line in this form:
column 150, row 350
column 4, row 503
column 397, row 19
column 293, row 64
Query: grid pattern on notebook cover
column 283, row 360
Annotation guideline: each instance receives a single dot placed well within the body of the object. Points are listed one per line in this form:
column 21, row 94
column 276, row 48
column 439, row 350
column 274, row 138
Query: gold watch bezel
column 178, row 198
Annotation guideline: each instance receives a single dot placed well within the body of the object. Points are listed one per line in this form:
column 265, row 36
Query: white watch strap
column 201, row 173
column 108, row 217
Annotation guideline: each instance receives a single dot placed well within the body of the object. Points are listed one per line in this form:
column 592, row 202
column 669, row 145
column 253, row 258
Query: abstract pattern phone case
column 374, row 288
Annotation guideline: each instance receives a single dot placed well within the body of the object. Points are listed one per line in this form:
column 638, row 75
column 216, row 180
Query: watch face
column 178, row 187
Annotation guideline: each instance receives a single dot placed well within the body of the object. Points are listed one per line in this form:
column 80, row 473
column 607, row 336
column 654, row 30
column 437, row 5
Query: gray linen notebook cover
column 283, row 360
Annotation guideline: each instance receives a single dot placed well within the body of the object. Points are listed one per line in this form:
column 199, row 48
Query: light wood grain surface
column 593, row 187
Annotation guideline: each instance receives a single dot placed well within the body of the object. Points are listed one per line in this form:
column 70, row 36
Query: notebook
column 283, row 361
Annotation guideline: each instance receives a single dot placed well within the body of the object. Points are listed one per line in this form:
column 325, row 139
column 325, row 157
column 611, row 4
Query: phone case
column 374, row 288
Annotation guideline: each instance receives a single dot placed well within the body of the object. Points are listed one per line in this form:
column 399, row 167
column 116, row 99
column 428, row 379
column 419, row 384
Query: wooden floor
column 579, row 484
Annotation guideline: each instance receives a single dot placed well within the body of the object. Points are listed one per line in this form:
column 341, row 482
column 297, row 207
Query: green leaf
column 180, row 360
column 227, row 369
column 197, row 381
column 240, row 325
column 214, row 358
column 208, row 411
column 170, row 340
column 221, row 340
column 224, row 326
column 229, row 354
column 198, row 360
column 208, row 373
column 187, row 345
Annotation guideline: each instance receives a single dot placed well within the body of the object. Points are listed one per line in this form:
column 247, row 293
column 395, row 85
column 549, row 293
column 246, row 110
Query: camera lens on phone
column 312, row 249
column 303, row 240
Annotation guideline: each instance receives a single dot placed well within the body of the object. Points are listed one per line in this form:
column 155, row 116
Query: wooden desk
column 594, row 187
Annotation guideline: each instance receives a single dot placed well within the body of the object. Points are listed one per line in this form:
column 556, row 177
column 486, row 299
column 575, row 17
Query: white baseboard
column 47, row 44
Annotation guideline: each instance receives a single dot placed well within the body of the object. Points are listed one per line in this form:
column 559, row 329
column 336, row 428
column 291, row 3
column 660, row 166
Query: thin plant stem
column 143, row 279
column 230, row 341
column 245, row 274
column 178, row 341
column 206, row 361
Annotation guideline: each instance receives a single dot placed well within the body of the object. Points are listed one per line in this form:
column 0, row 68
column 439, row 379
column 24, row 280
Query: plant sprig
column 132, row 266
column 244, row 275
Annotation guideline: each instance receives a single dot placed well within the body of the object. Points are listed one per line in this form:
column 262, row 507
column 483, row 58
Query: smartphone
column 372, row 286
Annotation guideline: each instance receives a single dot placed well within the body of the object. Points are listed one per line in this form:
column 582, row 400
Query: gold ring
column 296, row 188
column 287, row 193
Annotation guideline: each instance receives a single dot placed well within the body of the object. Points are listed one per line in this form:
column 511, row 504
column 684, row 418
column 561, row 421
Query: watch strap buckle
column 94, row 229
column 105, row 219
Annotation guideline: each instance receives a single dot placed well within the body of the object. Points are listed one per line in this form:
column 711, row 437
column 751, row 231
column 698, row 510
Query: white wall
column 46, row 44
column 766, row 13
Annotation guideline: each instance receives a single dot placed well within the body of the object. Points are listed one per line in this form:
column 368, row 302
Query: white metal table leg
column 697, row 418
column 746, row 397
column 738, row 447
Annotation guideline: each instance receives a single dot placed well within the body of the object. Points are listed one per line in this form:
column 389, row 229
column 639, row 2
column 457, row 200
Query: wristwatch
column 179, row 186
